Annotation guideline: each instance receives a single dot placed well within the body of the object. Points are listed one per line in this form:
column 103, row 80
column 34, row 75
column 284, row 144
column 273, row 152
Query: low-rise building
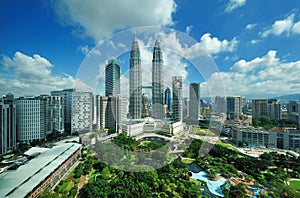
column 254, row 137
column 40, row 173
column 283, row 138
column 133, row 128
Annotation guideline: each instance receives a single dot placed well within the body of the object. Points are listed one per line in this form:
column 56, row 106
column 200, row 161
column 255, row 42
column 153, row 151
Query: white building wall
column 82, row 112
column 29, row 120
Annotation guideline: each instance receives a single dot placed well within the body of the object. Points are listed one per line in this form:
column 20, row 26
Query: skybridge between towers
column 147, row 87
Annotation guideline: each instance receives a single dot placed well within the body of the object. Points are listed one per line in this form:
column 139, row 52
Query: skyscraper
column 168, row 99
column 233, row 107
column 8, row 132
column 194, row 106
column 135, row 82
column 236, row 106
column 157, row 82
column 177, row 98
column 112, row 78
column 185, row 107
column 259, row 108
column 274, row 109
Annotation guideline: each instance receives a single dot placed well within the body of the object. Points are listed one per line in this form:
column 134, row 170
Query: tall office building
column 135, row 82
column 194, row 103
column 293, row 110
column 31, row 120
column 55, row 114
column 145, row 106
column 274, row 109
column 7, row 124
column 259, row 108
column 243, row 103
column 236, row 106
column 185, row 107
column 177, row 98
column 112, row 78
column 233, row 107
column 293, row 107
column 111, row 112
column 66, row 95
column 168, row 99
column 157, row 82
column 82, row 112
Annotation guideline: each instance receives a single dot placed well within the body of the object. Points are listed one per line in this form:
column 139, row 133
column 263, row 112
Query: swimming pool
column 213, row 186
column 256, row 191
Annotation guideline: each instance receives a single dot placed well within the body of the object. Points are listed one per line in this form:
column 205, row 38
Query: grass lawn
column 199, row 131
column 65, row 186
column 187, row 160
column 228, row 146
column 295, row 184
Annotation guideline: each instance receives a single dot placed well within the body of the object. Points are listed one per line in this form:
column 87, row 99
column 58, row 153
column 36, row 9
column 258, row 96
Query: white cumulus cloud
column 250, row 26
column 213, row 45
column 266, row 75
column 234, row 4
column 285, row 26
column 280, row 26
column 26, row 75
column 99, row 18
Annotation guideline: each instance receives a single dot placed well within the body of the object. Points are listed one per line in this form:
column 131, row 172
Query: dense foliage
column 268, row 123
column 270, row 170
column 169, row 181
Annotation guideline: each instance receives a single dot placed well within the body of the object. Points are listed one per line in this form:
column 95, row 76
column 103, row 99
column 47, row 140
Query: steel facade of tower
column 194, row 106
column 168, row 99
column 8, row 132
column 112, row 78
column 157, row 82
column 135, row 82
column 177, row 98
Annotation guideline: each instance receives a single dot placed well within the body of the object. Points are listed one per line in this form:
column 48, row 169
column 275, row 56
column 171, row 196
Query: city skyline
column 249, row 46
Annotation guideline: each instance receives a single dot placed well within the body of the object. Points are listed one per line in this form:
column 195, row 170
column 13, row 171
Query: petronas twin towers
column 135, row 82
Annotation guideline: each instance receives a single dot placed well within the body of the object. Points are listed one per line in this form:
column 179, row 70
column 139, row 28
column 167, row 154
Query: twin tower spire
column 135, row 82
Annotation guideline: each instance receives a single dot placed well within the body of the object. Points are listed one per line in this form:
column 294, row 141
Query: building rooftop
column 20, row 182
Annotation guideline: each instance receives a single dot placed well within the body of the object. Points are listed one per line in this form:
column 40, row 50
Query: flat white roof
column 20, row 182
column 36, row 150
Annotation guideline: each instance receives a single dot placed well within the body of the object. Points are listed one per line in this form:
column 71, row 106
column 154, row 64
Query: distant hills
column 288, row 98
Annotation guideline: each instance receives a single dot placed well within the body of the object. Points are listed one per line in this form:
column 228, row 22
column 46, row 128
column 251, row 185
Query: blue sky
column 255, row 44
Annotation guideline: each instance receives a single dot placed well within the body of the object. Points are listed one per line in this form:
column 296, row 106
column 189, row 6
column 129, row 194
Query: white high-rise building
column 82, row 112
column 30, row 119
column 7, row 124
column 66, row 95
column 55, row 114
column 111, row 112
